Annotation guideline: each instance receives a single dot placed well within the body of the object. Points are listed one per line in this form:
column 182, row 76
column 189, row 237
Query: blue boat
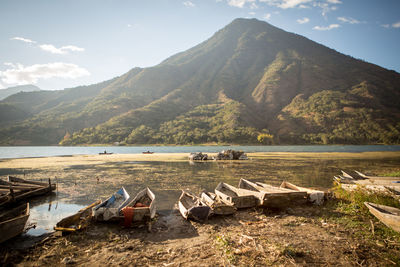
column 110, row 208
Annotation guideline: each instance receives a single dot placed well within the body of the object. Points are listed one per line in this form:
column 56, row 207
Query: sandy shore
column 48, row 162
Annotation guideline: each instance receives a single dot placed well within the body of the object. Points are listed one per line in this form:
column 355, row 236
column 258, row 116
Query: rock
column 198, row 156
column 231, row 155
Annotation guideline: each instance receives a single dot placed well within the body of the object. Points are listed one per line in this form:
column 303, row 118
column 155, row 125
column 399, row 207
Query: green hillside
column 249, row 82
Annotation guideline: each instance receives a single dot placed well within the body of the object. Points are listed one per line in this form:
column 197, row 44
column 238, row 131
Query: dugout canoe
column 12, row 222
column 314, row 196
column 217, row 205
column 192, row 208
column 240, row 198
column 387, row 215
column 77, row 221
column 272, row 196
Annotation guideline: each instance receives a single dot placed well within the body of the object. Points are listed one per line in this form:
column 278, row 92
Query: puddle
column 45, row 216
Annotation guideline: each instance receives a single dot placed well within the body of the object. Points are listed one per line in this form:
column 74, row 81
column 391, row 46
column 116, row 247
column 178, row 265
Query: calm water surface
column 47, row 151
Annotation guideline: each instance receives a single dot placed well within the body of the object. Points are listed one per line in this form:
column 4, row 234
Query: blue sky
column 66, row 43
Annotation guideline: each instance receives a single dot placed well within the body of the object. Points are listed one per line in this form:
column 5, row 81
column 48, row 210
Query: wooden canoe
column 377, row 177
column 14, row 179
column 314, row 196
column 387, row 215
column 192, row 208
column 147, row 152
column 217, row 205
column 272, row 196
column 240, row 198
column 110, row 208
column 77, row 221
column 142, row 208
column 12, row 222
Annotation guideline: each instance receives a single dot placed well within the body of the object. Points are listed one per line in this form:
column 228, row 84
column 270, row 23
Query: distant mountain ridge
column 4, row 93
column 249, row 83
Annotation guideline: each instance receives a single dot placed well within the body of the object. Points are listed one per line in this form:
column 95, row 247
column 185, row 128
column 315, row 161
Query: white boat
column 217, row 205
column 142, row 208
column 110, row 208
column 240, row 198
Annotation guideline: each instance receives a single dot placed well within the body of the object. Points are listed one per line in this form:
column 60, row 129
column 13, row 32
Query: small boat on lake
column 191, row 207
column 105, row 153
column 147, row 152
column 12, row 222
column 142, row 208
column 217, row 205
column 240, row 198
column 313, row 196
column 110, row 208
column 77, row 221
column 387, row 215
column 272, row 196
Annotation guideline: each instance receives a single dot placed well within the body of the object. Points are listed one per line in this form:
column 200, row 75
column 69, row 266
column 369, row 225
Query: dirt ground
column 252, row 237
column 306, row 235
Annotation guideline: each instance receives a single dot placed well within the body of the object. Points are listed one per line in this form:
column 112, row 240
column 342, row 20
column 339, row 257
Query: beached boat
column 147, row 152
column 377, row 177
column 142, row 208
column 217, row 205
column 192, row 208
column 240, row 198
column 12, row 222
column 110, row 208
column 272, row 196
column 388, row 215
column 18, row 189
column 314, row 196
column 77, row 221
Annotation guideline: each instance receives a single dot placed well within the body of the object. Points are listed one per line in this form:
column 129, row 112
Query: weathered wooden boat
column 14, row 179
column 240, row 198
column 272, row 196
column 343, row 180
column 192, row 208
column 142, row 208
column 314, row 196
column 77, row 221
column 12, row 222
column 147, row 152
column 377, row 177
column 18, row 189
column 387, row 215
column 110, row 208
column 217, row 205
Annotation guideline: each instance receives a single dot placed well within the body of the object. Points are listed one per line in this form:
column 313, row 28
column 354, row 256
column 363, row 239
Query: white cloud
column 284, row 4
column 396, row 25
column 62, row 50
column 303, row 20
column 188, row 4
column 239, row 3
column 20, row 74
column 349, row 20
column 334, row 1
column 330, row 27
column 23, row 40
column 385, row 26
column 253, row 6
column 252, row 13
column 267, row 16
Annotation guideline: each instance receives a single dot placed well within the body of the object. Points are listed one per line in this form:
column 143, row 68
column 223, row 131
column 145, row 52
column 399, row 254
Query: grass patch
column 225, row 244
column 392, row 174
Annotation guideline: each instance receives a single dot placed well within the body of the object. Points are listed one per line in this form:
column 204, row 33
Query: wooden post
column 12, row 193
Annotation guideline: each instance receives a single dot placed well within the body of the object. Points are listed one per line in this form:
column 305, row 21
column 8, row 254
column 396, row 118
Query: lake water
column 47, row 151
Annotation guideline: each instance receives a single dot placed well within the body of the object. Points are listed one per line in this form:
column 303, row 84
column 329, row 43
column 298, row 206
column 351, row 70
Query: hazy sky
column 57, row 44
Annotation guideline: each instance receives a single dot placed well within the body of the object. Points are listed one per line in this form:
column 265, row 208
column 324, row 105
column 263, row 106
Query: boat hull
column 10, row 225
column 387, row 215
